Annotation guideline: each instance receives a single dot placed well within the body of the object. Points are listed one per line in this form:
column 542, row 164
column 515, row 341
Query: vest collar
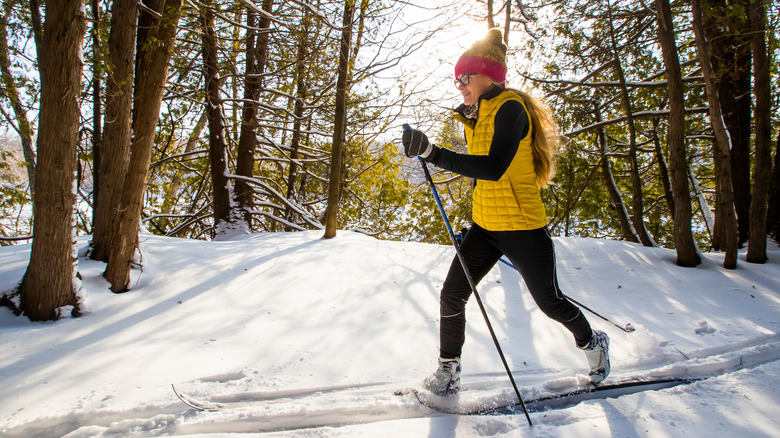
column 492, row 93
column 471, row 112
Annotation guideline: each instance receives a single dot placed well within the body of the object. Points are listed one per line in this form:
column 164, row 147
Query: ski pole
column 628, row 328
column 473, row 286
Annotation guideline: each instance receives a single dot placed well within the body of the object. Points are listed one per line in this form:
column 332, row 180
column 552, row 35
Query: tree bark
column 220, row 186
column 687, row 253
column 256, row 59
column 115, row 156
column 762, row 169
column 725, row 216
column 339, row 128
column 48, row 283
column 151, row 76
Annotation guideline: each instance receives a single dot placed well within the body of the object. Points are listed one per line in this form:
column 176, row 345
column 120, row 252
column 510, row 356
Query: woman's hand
column 416, row 143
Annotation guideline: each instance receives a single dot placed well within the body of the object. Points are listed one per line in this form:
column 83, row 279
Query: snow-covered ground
column 305, row 337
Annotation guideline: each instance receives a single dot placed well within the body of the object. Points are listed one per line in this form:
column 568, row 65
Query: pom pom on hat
column 495, row 36
column 486, row 56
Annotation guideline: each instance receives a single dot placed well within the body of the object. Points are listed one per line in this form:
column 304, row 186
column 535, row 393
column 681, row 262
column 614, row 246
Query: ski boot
column 597, row 352
column 446, row 379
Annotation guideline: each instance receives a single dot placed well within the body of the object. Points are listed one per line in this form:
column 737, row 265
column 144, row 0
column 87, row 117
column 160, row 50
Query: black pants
column 533, row 254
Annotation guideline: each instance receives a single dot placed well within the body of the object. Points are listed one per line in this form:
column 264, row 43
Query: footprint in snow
column 704, row 329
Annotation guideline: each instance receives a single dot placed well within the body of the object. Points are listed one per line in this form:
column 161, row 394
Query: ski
column 213, row 406
column 442, row 404
column 250, row 399
column 576, row 396
column 465, row 403
column 474, row 401
column 200, row 405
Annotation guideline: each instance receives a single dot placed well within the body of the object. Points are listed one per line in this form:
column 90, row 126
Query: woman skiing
column 512, row 140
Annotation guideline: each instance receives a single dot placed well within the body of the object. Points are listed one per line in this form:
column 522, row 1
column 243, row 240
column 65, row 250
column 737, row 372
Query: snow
column 299, row 336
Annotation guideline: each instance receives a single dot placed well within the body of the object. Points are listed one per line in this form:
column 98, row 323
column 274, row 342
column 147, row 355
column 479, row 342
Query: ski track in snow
column 340, row 405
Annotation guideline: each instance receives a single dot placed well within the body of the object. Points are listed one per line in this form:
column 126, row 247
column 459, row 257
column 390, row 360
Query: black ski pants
column 533, row 254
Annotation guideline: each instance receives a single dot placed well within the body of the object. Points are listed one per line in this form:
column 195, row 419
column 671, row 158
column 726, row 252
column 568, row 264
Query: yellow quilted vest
column 513, row 202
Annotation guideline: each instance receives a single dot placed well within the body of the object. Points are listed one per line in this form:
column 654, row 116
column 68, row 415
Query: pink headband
column 481, row 65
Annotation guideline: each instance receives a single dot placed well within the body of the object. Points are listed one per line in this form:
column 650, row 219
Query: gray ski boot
column 597, row 352
column 446, row 379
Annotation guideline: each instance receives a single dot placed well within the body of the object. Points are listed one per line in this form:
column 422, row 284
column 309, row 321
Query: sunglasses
column 464, row 79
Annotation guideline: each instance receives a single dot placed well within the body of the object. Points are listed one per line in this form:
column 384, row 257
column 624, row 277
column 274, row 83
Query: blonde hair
column 546, row 141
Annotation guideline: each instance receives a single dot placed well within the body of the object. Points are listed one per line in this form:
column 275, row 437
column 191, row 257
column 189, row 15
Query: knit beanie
column 486, row 56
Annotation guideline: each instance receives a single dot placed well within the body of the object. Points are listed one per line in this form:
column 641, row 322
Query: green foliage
column 375, row 198
column 384, row 193
column 580, row 46
column 455, row 192
column 15, row 202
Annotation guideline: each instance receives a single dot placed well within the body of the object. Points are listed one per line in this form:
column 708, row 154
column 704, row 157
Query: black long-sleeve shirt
column 511, row 126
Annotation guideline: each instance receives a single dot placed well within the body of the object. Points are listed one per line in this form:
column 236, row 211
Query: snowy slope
column 302, row 336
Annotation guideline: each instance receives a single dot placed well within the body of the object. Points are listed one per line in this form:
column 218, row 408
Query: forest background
column 205, row 119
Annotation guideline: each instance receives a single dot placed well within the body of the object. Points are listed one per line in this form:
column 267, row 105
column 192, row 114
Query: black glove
column 416, row 143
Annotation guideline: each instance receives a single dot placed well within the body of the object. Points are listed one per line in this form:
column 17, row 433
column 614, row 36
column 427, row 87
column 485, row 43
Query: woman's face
column 473, row 85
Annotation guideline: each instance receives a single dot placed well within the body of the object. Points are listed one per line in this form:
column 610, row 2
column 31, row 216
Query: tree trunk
column 256, row 59
column 339, row 128
column 725, row 216
column 151, row 76
column 739, row 121
column 300, row 99
column 507, row 21
column 663, row 168
column 704, row 206
column 762, row 169
column 9, row 89
column 37, row 26
column 97, row 104
column 115, row 156
column 490, row 21
column 637, row 202
column 626, row 228
column 48, row 283
column 220, row 186
column 687, row 253
column 731, row 60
